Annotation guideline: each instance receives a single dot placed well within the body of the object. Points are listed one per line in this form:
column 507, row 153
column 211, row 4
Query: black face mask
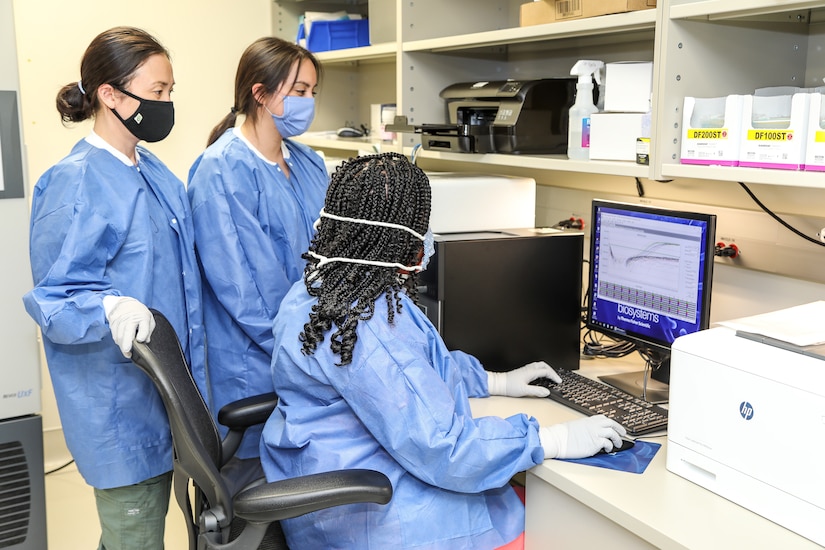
column 152, row 121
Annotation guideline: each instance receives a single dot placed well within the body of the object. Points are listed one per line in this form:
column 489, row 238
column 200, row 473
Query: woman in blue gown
column 254, row 194
column 111, row 236
column 365, row 381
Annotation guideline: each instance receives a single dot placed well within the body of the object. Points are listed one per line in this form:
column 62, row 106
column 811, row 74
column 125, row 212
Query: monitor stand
column 649, row 384
column 634, row 384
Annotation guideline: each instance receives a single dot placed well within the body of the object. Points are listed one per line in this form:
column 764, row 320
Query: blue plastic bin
column 337, row 35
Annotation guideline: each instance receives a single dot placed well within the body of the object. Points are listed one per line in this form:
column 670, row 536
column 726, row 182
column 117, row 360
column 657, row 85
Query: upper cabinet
column 700, row 48
column 713, row 48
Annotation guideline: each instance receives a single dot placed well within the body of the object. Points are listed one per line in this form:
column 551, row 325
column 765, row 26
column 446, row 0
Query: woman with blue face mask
column 255, row 194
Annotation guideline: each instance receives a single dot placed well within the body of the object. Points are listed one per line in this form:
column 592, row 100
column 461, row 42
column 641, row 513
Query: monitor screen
column 650, row 274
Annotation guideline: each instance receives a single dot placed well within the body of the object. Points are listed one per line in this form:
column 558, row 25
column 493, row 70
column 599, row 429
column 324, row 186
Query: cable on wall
column 777, row 218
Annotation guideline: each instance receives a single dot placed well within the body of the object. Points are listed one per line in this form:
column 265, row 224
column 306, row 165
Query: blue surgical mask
column 298, row 114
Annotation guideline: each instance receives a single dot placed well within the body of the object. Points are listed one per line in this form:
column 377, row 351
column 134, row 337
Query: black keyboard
column 591, row 398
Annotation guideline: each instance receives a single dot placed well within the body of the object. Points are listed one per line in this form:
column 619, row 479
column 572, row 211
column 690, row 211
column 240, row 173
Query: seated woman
column 365, row 381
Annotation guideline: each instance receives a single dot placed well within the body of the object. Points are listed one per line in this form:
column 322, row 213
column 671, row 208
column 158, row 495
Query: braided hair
column 383, row 188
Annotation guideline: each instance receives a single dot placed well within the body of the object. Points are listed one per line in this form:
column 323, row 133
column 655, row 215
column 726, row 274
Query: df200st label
column 707, row 133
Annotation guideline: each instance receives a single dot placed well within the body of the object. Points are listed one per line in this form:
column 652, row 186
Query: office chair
column 214, row 516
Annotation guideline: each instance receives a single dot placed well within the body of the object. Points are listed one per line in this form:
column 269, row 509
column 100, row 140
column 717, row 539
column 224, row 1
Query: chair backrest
column 195, row 437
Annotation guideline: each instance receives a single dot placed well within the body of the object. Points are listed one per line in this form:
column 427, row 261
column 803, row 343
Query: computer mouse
column 555, row 388
column 626, row 444
column 349, row 132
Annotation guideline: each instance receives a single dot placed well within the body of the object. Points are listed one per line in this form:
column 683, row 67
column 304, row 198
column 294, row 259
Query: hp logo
column 746, row 410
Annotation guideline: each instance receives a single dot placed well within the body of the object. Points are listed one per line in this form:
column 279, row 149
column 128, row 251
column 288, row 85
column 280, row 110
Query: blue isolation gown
column 252, row 224
column 401, row 407
column 103, row 226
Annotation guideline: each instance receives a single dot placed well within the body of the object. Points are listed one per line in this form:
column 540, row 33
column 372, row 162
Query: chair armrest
column 240, row 415
column 295, row 497
column 248, row 411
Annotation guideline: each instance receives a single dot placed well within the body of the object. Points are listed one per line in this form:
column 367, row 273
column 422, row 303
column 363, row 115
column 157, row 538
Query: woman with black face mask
column 255, row 194
column 111, row 236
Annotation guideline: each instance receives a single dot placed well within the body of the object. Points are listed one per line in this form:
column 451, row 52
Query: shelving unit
column 701, row 48
column 713, row 48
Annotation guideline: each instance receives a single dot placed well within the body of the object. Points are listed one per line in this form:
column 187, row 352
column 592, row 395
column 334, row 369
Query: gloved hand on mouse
column 516, row 383
column 581, row 438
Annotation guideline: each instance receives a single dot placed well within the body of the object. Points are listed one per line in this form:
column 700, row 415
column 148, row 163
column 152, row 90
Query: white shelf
column 607, row 24
column 723, row 9
column 347, row 144
column 377, row 52
column 746, row 175
column 540, row 162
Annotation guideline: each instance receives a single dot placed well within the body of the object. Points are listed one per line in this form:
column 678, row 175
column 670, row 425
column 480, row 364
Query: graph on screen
column 649, row 263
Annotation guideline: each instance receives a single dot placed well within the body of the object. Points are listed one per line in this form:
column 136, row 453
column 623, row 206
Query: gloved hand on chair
column 516, row 383
column 128, row 320
column 581, row 438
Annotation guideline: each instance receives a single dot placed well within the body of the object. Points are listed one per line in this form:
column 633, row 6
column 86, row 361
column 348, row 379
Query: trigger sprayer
column 578, row 133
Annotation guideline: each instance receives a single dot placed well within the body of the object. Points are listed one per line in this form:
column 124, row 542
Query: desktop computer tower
column 22, row 491
column 508, row 297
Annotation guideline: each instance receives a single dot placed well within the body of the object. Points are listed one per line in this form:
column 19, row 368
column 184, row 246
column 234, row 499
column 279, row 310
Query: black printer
column 510, row 116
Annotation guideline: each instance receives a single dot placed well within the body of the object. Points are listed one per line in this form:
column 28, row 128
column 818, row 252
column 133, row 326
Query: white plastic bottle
column 578, row 133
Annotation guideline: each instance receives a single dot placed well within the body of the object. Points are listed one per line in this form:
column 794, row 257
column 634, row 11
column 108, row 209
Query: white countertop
column 661, row 507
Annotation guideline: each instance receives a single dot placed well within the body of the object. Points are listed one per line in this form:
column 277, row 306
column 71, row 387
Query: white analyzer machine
column 747, row 421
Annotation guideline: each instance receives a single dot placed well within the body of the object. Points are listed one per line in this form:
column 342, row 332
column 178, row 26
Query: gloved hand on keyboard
column 516, row 383
column 581, row 438
column 128, row 320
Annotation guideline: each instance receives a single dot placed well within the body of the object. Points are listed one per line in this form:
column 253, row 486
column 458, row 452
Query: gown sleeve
column 74, row 234
column 426, row 424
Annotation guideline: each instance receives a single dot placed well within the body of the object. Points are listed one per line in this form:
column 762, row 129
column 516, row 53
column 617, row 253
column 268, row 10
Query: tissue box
column 815, row 146
column 548, row 11
column 711, row 130
column 382, row 114
column 628, row 86
column 613, row 135
column 774, row 131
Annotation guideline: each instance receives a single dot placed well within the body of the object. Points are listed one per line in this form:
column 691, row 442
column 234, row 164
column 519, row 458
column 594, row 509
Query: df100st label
column 770, row 135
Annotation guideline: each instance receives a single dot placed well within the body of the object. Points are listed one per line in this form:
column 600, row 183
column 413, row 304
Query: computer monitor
column 650, row 278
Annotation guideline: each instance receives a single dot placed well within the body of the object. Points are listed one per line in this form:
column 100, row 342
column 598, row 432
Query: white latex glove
column 581, row 438
column 516, row 383
column 128, row 320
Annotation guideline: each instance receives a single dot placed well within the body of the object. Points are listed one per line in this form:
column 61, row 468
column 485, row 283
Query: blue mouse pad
column 633, row 460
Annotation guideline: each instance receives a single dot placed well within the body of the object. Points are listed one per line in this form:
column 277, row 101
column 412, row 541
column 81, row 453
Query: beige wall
column 205, row 39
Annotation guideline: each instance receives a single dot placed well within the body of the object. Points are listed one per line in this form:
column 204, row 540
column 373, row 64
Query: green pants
column 134, row 517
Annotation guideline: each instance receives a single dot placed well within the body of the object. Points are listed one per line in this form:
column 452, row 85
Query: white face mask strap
column 325, row 214
column 322, row 260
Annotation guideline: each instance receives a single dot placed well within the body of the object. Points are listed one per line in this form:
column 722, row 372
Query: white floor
column 71, row 516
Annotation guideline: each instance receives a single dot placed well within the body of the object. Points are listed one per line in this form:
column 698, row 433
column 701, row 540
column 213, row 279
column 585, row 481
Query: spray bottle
column 578, row 136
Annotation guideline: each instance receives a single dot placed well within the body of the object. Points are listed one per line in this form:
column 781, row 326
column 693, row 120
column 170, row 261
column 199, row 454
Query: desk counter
column 577, row 506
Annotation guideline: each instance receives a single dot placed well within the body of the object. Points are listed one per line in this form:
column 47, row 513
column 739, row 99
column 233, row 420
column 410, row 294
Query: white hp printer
column 747, row 421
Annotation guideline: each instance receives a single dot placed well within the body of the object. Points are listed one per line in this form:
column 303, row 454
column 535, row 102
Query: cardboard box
column 774, row 131
column 712, row 130
column 628, row 86
column 815, row 148
column 548, row 11
column 613, row 135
